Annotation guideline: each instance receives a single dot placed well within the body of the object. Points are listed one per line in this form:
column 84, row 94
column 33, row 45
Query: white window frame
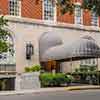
column 19, row 15
column 55, row 13
column 93, row 23
column 75, row 18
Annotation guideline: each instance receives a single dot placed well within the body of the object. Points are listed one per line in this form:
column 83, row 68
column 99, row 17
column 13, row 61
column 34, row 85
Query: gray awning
column 48, row 40
column 83, row 48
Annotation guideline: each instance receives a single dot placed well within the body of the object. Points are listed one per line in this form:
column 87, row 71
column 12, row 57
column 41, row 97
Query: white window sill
column 14, row 16
column 49, row 22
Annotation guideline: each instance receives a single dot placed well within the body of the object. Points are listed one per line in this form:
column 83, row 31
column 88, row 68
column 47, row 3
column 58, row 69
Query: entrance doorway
column 51, row 65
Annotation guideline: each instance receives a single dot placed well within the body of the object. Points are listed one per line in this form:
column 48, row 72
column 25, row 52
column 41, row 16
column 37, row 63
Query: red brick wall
column 4, row 7
column 86, row 17
column 32, row 9
column 66, row 18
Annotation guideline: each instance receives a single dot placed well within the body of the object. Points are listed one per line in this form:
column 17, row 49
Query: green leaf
column 4, row 33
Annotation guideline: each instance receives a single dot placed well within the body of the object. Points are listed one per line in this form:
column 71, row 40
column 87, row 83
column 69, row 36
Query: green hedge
column 81, row 77
column 57, row 79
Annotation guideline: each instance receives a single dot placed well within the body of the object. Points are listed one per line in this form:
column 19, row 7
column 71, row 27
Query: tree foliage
column 69, row 5
column 4, row 33
column 66, row 6
column 93, row 5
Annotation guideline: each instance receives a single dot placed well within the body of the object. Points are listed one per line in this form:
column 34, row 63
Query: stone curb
column 71, row 88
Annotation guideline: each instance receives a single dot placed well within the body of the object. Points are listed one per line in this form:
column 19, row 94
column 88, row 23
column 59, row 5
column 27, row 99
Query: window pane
column 94, row 19
column 14, row 7
column 48, row 10
column 78, row 15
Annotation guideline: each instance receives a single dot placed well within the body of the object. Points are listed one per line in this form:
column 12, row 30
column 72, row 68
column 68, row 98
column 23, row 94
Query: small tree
column 4, row 33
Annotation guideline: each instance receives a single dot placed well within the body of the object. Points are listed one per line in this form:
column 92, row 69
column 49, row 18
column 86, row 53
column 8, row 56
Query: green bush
column 27, row 69
column 33, row 68
column 46, row 79
column 69, row 78
column 57, row 79
column 87, row 68
column 81, row 77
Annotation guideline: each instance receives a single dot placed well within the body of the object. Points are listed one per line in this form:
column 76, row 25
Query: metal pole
column 97, row 73
column 71, row 69
column 97, row 69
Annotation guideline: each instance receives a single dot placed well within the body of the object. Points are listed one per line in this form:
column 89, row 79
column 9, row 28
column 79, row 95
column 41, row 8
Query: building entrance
column 51, row 65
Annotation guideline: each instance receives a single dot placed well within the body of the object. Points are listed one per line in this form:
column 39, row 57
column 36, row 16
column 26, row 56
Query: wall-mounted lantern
column 29, row 50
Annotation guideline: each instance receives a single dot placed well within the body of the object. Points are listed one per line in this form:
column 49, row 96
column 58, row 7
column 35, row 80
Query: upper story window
column 78, row 14
column 49, row 10
column 15, row 7
column 94, row 19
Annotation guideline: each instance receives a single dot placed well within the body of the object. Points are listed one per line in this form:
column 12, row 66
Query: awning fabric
column 82, row 48
column 48, row 40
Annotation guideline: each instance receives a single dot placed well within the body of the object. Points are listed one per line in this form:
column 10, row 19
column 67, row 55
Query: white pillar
column 18, row 82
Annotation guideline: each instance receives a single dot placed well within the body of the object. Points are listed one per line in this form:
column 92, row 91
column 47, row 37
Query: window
column 15, row 7
column 88, row 62
column 94, row 19
column 78, row 14
column 95, row 61
column 49, row 10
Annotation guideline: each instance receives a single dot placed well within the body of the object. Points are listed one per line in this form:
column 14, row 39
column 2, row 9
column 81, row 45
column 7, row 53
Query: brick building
column 46, row 10
column 30, row 20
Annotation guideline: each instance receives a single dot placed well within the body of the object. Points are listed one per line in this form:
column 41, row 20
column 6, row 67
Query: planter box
column 27, row 81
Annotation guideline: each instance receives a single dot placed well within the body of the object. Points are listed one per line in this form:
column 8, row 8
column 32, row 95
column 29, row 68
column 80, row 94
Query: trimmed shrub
column 54, row 80
column 46, row 79
column 59, row 79
column 35, row 68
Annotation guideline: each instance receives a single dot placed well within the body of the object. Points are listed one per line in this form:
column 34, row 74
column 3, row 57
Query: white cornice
column 52, row 24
